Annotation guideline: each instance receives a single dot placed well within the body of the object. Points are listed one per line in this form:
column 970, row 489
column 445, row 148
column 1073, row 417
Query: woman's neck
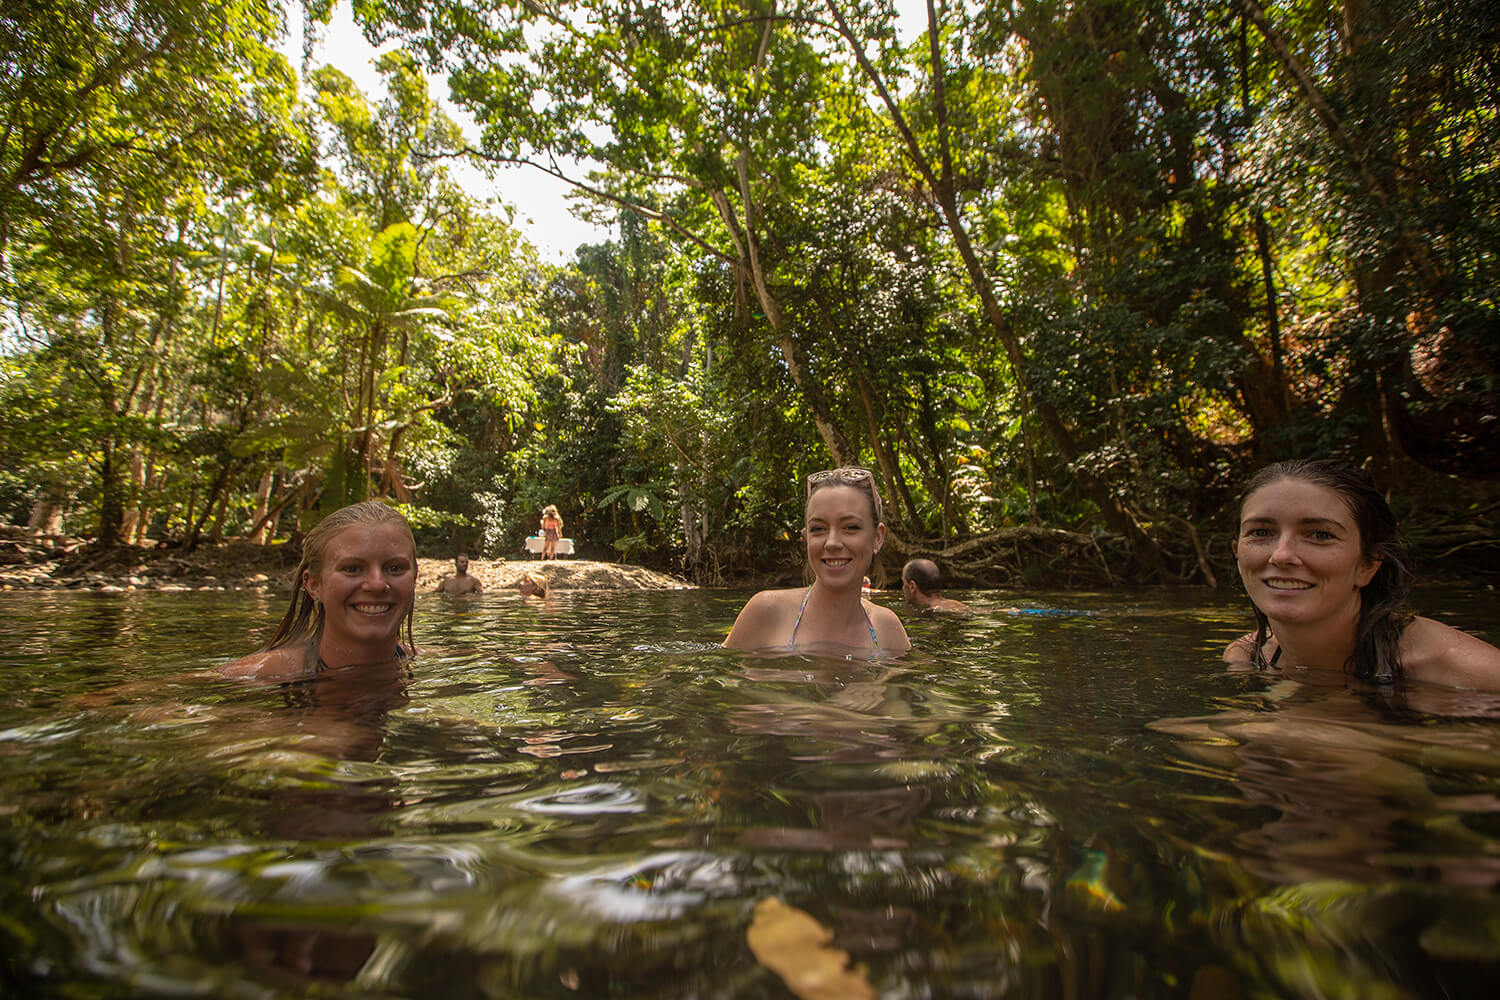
column 1321, row 645
column 334, row 653
column 844, row 598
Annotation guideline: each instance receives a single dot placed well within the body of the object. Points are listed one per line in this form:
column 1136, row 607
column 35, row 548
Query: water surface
column 1066, row 795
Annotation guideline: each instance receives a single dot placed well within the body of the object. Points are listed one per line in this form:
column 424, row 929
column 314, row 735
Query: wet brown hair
column 849, row 475
column 1383, row 609
column 857, row 478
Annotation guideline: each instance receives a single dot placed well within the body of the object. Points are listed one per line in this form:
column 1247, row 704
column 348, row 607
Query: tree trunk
column 218, row 533
column 47, row 512
column 940, row 485
column 111, row 499
column 261, row 533
column 220, row 483
column 747, row 259
column 131, row 526
column 885, row 456
column 267, row 521
column 944, row 194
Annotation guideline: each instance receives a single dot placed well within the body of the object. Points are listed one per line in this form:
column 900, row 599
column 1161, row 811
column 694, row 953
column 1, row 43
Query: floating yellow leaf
column 796, row 947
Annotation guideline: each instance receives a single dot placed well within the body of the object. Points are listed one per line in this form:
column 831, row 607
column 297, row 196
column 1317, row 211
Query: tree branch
column 609, row 196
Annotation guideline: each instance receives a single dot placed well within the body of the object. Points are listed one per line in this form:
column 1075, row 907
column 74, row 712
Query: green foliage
column 1387, row 205
column 639, row 499
column 1073, row 263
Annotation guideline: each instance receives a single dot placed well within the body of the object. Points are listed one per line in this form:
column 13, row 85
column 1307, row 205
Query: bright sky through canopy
column 540, row 200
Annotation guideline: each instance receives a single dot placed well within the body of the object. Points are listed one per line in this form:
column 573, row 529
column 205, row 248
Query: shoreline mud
column 69, row 565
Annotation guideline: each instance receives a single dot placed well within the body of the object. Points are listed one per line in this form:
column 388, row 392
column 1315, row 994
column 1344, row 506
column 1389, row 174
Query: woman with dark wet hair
column 1320, row 554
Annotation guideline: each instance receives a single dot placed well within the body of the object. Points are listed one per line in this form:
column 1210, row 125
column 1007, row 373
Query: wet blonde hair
column 303, row 621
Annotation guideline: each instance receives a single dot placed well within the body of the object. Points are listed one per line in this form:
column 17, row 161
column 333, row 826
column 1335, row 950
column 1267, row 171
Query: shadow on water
column 1061, row 795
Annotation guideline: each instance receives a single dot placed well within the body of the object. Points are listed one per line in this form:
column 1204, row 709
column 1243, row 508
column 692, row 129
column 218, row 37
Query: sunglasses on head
column 846, row 475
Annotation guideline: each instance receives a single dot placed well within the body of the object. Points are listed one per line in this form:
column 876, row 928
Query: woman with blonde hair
column 552, row 526
column 352, row 592
column 533, row 585
column 843, row 529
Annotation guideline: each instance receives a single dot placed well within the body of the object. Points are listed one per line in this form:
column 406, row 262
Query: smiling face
column 366, row 581
column 842, row 535
column 1300, row 554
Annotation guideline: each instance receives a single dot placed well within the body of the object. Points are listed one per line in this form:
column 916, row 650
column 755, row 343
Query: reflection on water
column 1354, row 793
column 1063, row 795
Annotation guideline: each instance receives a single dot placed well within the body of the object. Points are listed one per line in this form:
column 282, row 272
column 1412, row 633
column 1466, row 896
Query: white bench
column 535, row 542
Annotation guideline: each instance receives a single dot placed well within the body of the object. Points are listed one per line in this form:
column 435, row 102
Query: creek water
column 1064, row 795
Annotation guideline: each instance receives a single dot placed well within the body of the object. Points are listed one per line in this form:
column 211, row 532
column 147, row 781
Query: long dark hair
column 1383, row 609
column 303, row 621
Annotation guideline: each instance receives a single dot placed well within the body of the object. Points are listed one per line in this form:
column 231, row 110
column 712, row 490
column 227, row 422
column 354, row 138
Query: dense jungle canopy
column 1063, row 273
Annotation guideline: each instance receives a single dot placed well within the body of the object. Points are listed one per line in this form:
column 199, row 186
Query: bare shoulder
column 888, row 628
column 763, row 618
column 776, row 600
column 1442, row 654
column 284, row 664
column 1241, row 649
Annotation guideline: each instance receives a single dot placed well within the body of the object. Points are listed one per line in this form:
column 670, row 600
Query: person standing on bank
column 1328, row 576
column 919, row 585
column 552, row 527
column 352, row 591
column 843, row 530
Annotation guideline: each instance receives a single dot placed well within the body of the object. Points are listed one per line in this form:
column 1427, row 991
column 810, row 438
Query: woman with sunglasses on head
column 843, row 529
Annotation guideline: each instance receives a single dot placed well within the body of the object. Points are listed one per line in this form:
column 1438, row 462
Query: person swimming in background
column 843, row 530
column 460, row 582
column 351, row 593
column 552, row 526
column 533, row 585
column 1328, row 576
column 919, row 585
